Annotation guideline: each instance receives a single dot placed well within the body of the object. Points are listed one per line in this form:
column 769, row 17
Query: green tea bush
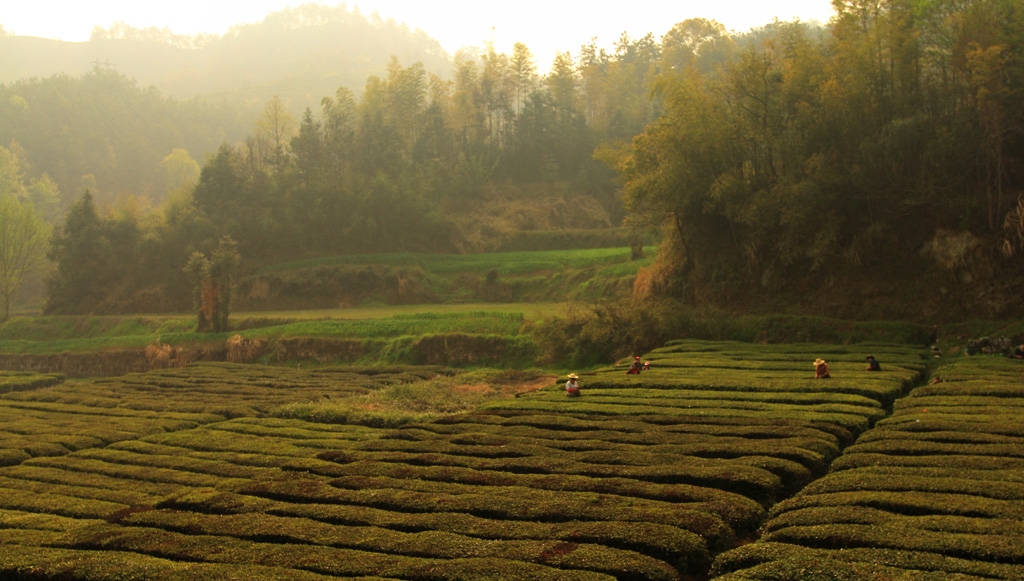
column 58, row 504
column 860, row 515
column 122, row 495
column 11, row 457
column 894, row 481
column 909, row 503
column 964, row 463
column 21, row 381
column 538, row 506
column 175, row 462
column 330, row 560
column 659, row 541
column 773, row 561
column 1007, row 449
column 26, row 563
column 934, row 491
column 432, row 544
column 883, row 392
column 562, row 431
column 903, row 536
column 645, row 477
column 129, row 472
column 854, row 423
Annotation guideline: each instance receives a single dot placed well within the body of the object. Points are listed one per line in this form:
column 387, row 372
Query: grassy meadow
column 505, row 263
column 724, row 459
column 415, row 278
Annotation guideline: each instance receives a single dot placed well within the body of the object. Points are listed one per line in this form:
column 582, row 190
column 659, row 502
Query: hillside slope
column 300, row 55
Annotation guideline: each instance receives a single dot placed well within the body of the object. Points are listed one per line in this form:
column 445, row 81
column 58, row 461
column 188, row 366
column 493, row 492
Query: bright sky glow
column 544, row 26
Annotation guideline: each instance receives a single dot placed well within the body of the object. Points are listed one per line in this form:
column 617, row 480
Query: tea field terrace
column 207, row 472
column 936, row 491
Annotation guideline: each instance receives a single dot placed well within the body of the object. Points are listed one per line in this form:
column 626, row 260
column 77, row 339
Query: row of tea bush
column 934, row 492
column 643, row 477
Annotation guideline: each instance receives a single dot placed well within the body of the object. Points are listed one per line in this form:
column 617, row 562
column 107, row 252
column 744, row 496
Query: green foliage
column 933, row 490
column 763, row 561
column 450, row 336
column 644, row 477
column 17, row 381
column 122, row 159
column 440, row 543
column 774, row 158
column 24, row 235
column 84, row 565
column 784, row 169
column 57, row 328
column 212, row 283
column 82, row 254
column 480, row 322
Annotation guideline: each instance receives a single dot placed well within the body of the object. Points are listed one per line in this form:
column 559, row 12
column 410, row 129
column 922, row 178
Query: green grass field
column 504, row 262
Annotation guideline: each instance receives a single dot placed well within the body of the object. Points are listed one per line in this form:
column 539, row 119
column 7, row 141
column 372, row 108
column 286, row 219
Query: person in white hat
column 572, row 387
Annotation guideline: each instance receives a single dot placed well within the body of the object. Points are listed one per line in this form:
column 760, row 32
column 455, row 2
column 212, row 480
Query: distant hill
column 112, row 108
column 300, row 55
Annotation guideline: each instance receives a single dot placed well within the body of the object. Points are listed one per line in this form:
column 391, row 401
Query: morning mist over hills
column 300, row 55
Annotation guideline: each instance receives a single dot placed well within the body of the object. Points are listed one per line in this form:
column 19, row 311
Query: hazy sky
column 544, row 26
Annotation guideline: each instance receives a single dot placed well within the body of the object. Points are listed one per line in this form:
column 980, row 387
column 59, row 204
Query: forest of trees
column 102, row 131
column 790, row 151
column 408, row 164
column 804, row 156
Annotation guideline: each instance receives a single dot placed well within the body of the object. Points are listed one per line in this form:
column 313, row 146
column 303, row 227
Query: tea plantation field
column 724, row 457
column 934, row 492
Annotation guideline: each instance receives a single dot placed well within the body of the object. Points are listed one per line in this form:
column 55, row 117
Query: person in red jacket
column 873, row 364
column 635, row 368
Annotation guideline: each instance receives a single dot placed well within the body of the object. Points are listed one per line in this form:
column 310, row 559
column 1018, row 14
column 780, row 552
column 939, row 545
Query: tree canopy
column 790, row 154
column 801, row 155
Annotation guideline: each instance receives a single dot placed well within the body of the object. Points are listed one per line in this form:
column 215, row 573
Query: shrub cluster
column 26, row 380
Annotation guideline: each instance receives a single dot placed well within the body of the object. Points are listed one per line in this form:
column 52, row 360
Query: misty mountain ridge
column 299, row 54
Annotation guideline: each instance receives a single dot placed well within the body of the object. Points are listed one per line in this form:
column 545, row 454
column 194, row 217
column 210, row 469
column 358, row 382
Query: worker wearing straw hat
column 572, row 387
column 821, row 369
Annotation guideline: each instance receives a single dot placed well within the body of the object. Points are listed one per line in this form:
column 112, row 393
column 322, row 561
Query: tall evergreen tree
column 82, row 255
